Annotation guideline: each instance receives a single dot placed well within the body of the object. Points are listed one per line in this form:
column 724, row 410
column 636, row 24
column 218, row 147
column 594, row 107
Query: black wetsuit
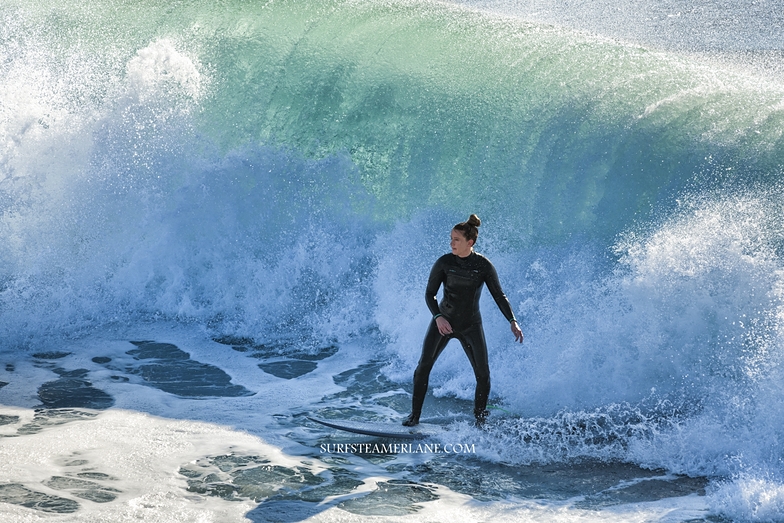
column 462, row 279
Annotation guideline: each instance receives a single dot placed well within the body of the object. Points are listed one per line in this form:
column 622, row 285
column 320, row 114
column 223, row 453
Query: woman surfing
column 462, row 273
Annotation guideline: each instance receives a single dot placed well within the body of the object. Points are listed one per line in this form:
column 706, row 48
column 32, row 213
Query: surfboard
column 381, row 430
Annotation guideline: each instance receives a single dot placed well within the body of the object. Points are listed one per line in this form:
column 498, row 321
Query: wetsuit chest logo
column 463, row 277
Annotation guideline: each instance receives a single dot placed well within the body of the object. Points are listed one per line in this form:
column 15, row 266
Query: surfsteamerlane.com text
column 397, row 448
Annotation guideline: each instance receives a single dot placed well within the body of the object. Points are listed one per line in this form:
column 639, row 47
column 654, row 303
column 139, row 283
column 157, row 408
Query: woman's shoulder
column 446, row 259
column 480, row 260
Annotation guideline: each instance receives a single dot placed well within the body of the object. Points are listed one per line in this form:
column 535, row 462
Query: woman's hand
column 444, row 327
column 518, row 334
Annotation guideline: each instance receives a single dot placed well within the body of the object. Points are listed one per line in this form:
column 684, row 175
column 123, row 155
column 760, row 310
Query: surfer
column 462, row 273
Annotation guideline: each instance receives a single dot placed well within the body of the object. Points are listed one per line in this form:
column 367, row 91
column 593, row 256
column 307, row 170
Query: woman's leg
column 473, row 341
column 432, row 347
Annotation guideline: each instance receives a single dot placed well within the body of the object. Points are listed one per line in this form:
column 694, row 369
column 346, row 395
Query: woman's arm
column 494, row 286
column 433, row 284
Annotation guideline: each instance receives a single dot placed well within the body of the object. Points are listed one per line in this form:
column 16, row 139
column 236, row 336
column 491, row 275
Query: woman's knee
column 483, row 380
column 422, row 371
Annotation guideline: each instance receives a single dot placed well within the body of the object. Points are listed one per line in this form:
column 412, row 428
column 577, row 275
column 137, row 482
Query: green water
column 439, row 106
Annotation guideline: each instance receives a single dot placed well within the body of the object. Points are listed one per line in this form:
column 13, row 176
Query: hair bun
column 474, row 220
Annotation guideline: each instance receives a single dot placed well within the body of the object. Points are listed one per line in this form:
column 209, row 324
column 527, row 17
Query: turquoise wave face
column 557, row 133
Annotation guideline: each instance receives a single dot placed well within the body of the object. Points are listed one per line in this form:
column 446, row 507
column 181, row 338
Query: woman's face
column 460, row 246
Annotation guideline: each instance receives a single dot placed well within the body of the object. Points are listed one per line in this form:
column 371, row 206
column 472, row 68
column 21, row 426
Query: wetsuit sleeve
column 433, row 284
column 494, row 286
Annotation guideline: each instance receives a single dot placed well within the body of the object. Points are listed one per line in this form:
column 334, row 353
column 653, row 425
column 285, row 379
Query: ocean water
column 217, row 219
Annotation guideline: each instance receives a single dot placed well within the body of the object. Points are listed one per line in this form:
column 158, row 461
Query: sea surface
column 218, row 218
